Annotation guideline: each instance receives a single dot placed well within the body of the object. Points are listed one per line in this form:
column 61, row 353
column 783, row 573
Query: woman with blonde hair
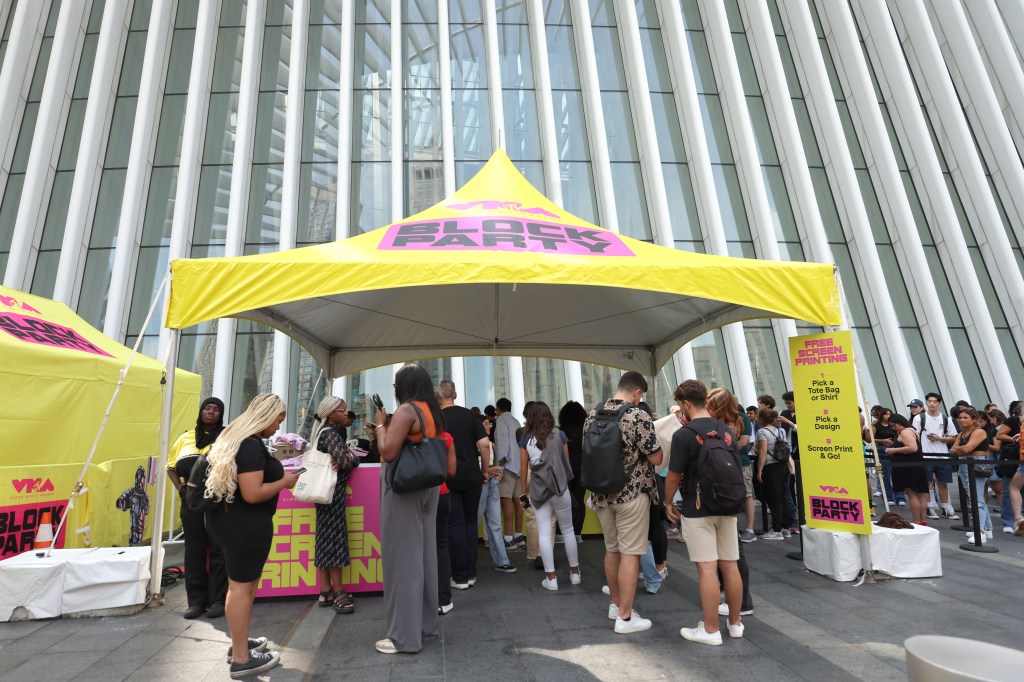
column 331, row 550
column 245, row 481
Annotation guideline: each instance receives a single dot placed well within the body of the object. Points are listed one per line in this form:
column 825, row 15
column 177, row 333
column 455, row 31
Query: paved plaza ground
column 805, row 627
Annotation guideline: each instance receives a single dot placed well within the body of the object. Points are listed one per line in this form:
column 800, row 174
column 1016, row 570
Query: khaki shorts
column 748, row 479
column 509, row 487
column 625, row 525
column 711, row 538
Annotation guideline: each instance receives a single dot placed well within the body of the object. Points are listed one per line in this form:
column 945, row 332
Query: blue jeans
column 984, row 515
column 652, row 579
column 490, row 513
column 1005, row 508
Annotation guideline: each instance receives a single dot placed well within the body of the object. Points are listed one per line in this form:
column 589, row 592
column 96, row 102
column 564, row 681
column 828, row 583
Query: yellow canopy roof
column 496, row 269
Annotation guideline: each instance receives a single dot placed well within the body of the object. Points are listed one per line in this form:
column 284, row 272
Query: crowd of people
column 524, row 482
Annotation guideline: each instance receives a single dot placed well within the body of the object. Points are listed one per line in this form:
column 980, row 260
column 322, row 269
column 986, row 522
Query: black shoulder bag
column 421, row 464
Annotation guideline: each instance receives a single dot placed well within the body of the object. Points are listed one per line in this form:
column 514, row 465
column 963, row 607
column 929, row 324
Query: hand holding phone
column 299, row 471
column 525, row 501
column 377, row 401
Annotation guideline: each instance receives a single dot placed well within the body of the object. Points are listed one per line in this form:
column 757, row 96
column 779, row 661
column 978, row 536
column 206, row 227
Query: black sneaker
column 511, row 546
column 258, row 644
column 507, row 568
column 519, row 540
column 259, row 661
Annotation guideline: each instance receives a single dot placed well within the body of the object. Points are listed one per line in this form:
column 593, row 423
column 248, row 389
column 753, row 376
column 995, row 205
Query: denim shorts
column 943, row 472
column 1020, row 469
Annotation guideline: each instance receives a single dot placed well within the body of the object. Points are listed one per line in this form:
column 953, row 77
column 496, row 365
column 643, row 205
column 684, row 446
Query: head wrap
column 205, row 435
column 327, row 407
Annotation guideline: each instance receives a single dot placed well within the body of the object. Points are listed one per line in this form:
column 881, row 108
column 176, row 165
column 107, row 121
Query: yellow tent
column 496, row 269
column 57, row 376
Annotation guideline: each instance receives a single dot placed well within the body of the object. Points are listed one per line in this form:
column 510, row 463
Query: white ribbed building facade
column 884, row 136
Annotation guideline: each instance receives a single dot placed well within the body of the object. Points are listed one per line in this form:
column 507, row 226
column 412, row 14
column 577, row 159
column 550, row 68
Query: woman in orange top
column 408, row 534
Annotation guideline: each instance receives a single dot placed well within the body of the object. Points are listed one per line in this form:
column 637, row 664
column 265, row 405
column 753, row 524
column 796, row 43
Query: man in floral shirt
column 625, row 515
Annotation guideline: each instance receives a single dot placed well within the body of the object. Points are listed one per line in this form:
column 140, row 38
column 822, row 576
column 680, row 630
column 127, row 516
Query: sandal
column 326, row 598
column 344, row 603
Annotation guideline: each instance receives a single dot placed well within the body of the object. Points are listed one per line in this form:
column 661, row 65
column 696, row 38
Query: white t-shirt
column 933, row 425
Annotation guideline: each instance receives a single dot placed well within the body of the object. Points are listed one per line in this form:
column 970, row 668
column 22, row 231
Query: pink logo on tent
column 503, row 206
column 502, row 234
column 34, row 330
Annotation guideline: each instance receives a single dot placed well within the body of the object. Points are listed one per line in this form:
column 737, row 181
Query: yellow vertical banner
column 831, row 449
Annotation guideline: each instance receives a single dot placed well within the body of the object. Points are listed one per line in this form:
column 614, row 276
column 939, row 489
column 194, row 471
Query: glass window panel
column 56, row 215
column 1011, row 353
column 740, row 250
column 197, row 353
column 171, row 130
column 95, row 17
column 274, row 67
column 522, row 129
column 730, row 203
column 9, row 209
column 307, row 388
column 373, row 111
column 279, row 13
column 578, row 196
column 465, row 170
column 419, row 12
column 692, row 247
column 599, row 384
column 156, row 225
column 511, row 11
column 858, row 311
column 533, row 171
column 108, row 209
column 872, row 207
column 710, row 363
column 619, row 126
column 24, row 142
column 424, row 185
column 810, row 143
column 791, row 251
column 140, row 16
column 371, row 195
column 967, row 365
column 662, row 388
column 35, row 92
column 557, row 12
column 745, row 61
column 562, row 64
column 268, row 146
column 732, row 11
column 546, row 379
column 253, row 369
column 325, row 11
column 778, row 204
column 188, row 12
column 472, row 124
column 320, row 126
column 263, row 219
column 318, row 202
column 72, row 136
column 570, row 126
column 45, row 277
column 987, row 290
column 762, row 129
column 856, row 154
column 873, row 372
column 789, row 66
column 212, row 205
column 119, row 143
column 466, row 11
column 422, row 70
column 92, row 301
column 659, row 78
column 480, row 390
column 682, row 204
column 897, row 286
column 611, row 75
column 830, row 219
column 323, row 63
column 647, row 17
column 924, row 373
column 961, row 214
column 515, row 56
column 631, row 201
column 179, row 65
column 468, row 56
column 894, row 141
column 221, row 122
column 715, row 130
column 150, row 271
column 131, row 66
column 373, row 12
column 372, row 60
column 700, row 61
column 947, row 301
column 423, row 124
column 85, row 64
column 764, row 360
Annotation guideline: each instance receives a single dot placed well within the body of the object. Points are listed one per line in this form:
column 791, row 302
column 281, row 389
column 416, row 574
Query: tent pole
column 155, row 562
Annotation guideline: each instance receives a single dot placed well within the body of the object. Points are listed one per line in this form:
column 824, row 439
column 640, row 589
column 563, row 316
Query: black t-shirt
column 466, row 429
column 1012, row 423
column 253, row 456
column 883, row 432
column 794, row 441
column 686, row 453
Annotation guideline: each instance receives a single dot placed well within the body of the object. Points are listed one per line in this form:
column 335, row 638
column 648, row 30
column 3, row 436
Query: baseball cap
column 916, row 402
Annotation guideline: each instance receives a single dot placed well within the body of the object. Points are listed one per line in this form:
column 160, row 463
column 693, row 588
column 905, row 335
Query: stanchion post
column 977, row 545
column 800, row 517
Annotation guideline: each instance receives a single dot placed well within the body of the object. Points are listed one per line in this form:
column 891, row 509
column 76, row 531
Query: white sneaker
column 984, row 538
column 550, row 584
column 933, row 513
column 735, row 631
column 773, row 535
column 613, row 611
column 698, row 634
column 786, row 533
column 723, row 610
column 636, row 623
column 1008, row 529
column 576, row 578
column 988, row 534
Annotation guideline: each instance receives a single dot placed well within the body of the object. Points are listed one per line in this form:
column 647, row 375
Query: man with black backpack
column 704, row 457
column 620, row 451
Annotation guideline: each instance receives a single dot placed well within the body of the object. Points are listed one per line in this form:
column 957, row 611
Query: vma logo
column 502, row 205
column 833, row 489
column 27, row 486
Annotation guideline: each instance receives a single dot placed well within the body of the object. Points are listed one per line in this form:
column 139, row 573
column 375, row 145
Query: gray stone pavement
column 508, row 628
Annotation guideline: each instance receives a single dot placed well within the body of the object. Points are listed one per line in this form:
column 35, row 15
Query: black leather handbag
column 421, row 464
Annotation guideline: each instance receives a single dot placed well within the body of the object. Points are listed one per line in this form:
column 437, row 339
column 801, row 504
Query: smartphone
column 377, row 401
column 525, row 501
column 299, row 471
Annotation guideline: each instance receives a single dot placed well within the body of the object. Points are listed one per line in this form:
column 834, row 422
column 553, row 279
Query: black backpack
column 601, row 470
column 781, row 451
column 720, row 487
column 195, row 497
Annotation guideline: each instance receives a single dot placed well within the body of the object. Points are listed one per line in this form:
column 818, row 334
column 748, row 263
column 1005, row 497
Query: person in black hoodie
column 570, row 422
column 205, row 588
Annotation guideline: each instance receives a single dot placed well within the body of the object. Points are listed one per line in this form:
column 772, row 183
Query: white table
column 902, row 553
column 73, row 581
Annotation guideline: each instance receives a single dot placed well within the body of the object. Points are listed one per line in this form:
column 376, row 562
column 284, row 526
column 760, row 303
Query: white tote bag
column 316, row 483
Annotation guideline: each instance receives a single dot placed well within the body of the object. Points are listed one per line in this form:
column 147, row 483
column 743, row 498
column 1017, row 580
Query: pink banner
column 837, row 510
column 34, row 330
column 475, row 233
column 289, row 570
column 19, row 522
